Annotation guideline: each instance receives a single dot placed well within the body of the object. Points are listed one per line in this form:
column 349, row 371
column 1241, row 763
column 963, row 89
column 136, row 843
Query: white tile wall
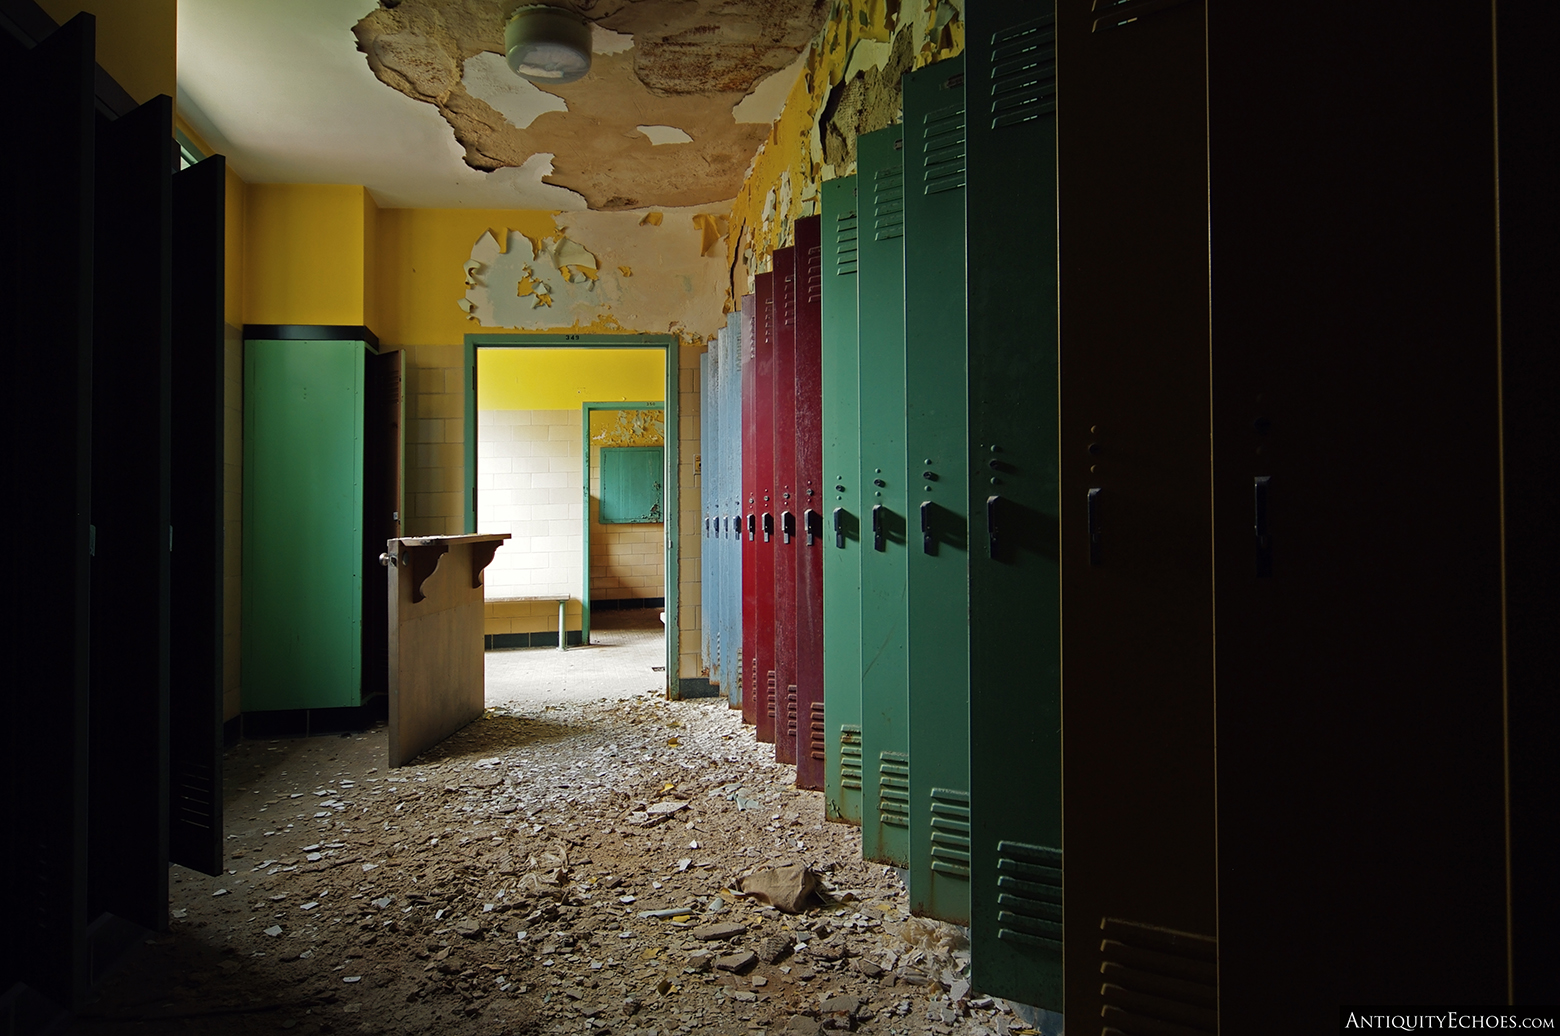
column 528, row 485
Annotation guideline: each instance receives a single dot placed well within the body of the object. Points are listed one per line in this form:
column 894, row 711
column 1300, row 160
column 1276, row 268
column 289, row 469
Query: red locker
column 783, row 705
column 747, row 520
column 811, row 732
column 760, row 646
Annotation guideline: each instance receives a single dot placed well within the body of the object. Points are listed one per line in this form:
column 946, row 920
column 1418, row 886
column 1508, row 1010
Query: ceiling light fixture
column 547, row 44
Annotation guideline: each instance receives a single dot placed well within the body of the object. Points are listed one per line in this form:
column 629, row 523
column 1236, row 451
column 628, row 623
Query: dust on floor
column 552, row 868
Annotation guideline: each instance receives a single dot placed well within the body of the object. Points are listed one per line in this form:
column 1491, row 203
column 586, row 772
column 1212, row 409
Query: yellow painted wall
column 137, row 41
column 303, row 253
column 562, row 379
column 370, row 260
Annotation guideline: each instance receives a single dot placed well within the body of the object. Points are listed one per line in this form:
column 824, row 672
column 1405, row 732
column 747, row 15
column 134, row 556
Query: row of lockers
column 1216, row 350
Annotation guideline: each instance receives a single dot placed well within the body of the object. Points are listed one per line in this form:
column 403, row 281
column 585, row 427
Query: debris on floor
column 552, row 868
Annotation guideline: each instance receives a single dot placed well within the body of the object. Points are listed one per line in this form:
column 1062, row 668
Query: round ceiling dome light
column 547, row 44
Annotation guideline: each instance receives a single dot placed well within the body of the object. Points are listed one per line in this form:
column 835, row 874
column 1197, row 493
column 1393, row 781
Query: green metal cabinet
column 303, row 524
column 1015, row 592
column 885, row 737
column 631, row 478
column 937, row 557
column 842, row 531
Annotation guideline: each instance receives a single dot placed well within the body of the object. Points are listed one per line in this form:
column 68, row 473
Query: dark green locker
column 1015, row 592
column 841, row 472
column 885, row 737
column 1137, row 606
column 303, row 531
column 936, row 474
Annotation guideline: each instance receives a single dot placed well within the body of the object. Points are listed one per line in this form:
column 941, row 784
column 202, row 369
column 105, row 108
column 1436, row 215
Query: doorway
column 535, row 394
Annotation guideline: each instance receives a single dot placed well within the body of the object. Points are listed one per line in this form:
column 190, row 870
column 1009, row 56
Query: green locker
column 1015, row 651
column 885, row 737
column 841, row 463
column 937, row 557
column 303, row 524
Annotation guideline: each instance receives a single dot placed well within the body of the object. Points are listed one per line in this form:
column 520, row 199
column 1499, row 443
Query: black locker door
column 195, row 746
column 1137, row 639
column 133, row 302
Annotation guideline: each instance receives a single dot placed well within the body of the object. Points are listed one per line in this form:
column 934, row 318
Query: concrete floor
column 626, row 656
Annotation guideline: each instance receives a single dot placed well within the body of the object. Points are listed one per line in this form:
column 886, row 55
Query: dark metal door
column 810, row 538
column 885, row 736
column 936, row 474
column 783, row 704
column 1015, row 593
column 841, row 471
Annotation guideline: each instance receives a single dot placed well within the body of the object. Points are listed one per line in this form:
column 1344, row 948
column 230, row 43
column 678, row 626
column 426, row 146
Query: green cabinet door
column 1015, row 592
column 842, row 489
column 937, row 476
column 885, row 736
column 303, row 531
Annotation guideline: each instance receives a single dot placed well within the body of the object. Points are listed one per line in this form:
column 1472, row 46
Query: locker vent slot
column 1118, row 14
column 193, row 787
column 850, row 756
column 894, row 789
column 888, row 204
column 813, row 263
column 1158, row 980
column 769, row 686
column 1029, row 895
column 1023, row 73
column 788, row 300
column 790, row 712
column 847, row 251
column 951, row 832
column 942, row 150
column 818, row 741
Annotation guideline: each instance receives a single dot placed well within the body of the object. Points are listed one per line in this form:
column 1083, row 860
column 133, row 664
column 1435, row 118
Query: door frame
column 560, row 340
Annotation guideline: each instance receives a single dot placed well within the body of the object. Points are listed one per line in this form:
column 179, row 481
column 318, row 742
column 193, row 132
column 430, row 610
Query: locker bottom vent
column 951, row 832
column 1029, row 895
column 818, row 739
column 790, row 711
column 894, row 789
column 1158, row 980
column 850, row 756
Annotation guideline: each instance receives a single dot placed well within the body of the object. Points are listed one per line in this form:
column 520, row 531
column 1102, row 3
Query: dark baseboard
column 624, row 603
column 316, row 722
column 697, row 687
column 500, row 641
column 232, row 730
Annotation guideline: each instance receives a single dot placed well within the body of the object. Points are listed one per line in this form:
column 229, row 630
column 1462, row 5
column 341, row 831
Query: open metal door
column 842, row 519
column 1137, row 567
column 885, row 735
column 937, row 477
column 1015, row 652
column 812, row 731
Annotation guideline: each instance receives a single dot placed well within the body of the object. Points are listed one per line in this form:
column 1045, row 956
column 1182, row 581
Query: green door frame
column 557, row 340
column 585, row 412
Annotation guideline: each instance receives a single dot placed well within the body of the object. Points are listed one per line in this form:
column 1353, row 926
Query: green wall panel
column 885, row 736
column 303, row 533
column 937, row 557
column 842, row 520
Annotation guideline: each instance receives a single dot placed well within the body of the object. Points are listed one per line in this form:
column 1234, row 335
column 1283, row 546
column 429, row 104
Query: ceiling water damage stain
column 690, row 64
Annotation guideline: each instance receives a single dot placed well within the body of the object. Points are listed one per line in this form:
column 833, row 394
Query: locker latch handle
column 706, row 526
column 839, row 527
column 813, row 522
column 928, row 537
column 1095, row 528
column 752, row 524
column 1260, row 485
column 769, row 525
column 993, row 523
column 787, row 526
column 877, row 526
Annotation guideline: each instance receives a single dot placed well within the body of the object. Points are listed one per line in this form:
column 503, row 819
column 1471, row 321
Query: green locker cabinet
column 1137, row 565
column 841, row 464
column 885, row 737
column 303, row 524
column 1015, row 648
column 938, row 559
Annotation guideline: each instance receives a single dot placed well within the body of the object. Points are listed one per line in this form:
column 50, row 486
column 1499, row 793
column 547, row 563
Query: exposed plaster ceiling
column 412, row 98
